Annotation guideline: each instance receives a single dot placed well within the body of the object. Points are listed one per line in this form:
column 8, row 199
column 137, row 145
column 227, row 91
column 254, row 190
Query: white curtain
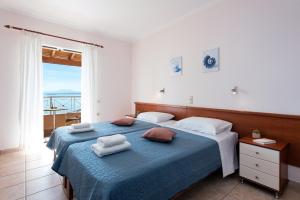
column 31, row 96
column 89, row 83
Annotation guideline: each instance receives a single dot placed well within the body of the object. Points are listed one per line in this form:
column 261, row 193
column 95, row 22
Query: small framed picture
column 176, row 66
column 210, row 60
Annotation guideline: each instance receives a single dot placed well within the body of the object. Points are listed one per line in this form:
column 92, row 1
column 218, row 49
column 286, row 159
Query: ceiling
column 125, row 19
column 61, row 56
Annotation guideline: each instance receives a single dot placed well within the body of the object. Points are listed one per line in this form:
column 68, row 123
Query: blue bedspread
column 61, row 139
column 148, row 171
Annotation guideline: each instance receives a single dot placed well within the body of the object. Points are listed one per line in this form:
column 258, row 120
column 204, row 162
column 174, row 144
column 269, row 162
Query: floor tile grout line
column 13, row 174
column 37, row 167
column 43, row 190
column 24, row 170
column 40, row 177
column 25, row 181
column 40, row 167
column 8, row 164
column 13, row 185
column 230, row 191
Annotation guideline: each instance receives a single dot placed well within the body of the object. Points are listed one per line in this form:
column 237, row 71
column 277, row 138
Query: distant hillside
column 63, row 91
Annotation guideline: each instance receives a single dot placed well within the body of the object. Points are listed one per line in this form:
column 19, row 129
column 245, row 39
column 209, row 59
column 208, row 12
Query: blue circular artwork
column 177, row 69
column 209, row 62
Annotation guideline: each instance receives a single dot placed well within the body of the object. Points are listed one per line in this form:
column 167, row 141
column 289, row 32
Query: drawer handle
column 257, row 165
column 256, row 177
column 257, row 153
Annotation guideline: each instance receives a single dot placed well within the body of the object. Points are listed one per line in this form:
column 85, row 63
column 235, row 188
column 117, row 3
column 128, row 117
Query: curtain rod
column 50, row 35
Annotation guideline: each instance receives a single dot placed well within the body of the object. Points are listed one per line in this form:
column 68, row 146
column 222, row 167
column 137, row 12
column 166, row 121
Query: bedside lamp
column 162, row 91
column 234, row 90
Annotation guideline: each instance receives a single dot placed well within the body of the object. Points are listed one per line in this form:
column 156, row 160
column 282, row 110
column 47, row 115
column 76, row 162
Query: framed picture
column 210, row 61
column 176, row 66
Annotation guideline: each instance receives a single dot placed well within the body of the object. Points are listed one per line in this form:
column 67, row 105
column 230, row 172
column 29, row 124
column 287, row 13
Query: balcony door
column 61, row 88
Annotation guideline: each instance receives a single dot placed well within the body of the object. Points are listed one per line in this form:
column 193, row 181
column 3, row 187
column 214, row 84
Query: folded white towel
column 102, row 151
column 111, row 140
column 73, row 130
column 81, row 125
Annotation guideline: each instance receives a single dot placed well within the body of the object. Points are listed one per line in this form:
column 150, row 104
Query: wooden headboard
column 276, row 126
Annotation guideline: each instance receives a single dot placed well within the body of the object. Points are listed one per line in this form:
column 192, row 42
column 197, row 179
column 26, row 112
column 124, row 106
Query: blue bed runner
column 148, row 171
column 61, row 139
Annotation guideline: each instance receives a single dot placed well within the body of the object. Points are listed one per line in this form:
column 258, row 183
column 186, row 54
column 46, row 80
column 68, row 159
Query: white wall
column 115, row 73
column 259, row 52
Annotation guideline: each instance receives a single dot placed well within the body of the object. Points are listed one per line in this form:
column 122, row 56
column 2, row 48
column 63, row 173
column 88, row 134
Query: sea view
column 62, row 86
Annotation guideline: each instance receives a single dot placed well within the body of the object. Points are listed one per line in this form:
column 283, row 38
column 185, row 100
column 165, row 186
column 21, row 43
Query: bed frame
column 277, row 126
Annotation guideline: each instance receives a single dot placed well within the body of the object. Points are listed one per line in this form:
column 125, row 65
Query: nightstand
column 265, row 165
column 131, row 115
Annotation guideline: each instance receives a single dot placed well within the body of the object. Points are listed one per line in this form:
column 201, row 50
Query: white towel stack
column 110, row 144
column 79, row 128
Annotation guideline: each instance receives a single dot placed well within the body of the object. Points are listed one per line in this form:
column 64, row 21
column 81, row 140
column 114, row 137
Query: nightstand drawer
column 260, row 165
column 259, row 152
column 259, row 177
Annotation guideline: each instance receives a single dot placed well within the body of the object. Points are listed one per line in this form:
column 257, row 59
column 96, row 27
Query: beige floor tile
column 11, row 180
column 38, row 163
column 11, row 161
column 248, row 191
column 34, row 157
column 44, row 154
column 292, row 191
column 13, row 192
column 55, row 193
column 39, row 172
column 43, row 183
column 213, row 187
column 12, row 169
column 13, row 155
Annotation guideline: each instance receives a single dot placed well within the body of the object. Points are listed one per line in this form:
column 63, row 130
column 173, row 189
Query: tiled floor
column 30, row 177
column 216, row 188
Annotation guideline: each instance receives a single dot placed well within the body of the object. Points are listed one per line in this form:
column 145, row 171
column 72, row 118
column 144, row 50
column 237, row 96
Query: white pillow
column 204, row 125
column 155, row 117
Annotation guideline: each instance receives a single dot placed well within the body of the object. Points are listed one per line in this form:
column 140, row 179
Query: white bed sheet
column 227, row 145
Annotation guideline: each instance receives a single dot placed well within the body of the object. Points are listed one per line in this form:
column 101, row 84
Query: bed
column 61, row 138
column 150, row 170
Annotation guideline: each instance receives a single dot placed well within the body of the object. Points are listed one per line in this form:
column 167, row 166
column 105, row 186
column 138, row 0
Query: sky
column 61, row 77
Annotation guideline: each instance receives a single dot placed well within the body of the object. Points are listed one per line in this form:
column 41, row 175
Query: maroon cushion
column 159, row 134
column 124, row 121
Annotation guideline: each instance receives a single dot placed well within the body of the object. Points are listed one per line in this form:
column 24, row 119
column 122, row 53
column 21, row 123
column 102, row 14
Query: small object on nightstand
column 264, row 141
column 256, row 134
column 131, row 115
column 264, row 164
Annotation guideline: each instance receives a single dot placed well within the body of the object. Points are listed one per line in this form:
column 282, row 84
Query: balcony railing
column 71, row 104
column 70, row 113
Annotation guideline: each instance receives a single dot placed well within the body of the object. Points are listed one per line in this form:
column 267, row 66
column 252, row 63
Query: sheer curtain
column 89, row 83
column 31, row 96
